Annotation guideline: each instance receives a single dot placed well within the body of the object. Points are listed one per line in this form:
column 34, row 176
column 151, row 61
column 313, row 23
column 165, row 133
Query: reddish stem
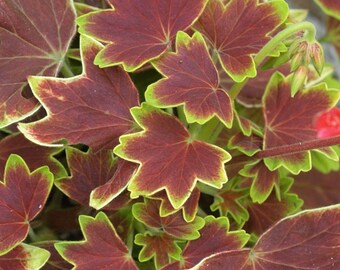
column 288, row 149
column 298, row 147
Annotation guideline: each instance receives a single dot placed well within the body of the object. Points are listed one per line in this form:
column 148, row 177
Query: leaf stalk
column 66, row 70
column 289, row 149
column 298, row 147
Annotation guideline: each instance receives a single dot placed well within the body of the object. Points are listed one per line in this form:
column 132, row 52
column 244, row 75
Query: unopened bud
column 294, row 48
column 297, row 60
column 303, row 53
column 298, row 79
column 317, row 57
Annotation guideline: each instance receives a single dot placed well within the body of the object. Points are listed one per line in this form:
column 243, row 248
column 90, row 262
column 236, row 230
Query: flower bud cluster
column 302, row 54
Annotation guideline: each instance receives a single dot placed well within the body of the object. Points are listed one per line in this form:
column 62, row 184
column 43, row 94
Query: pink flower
column 328, row 123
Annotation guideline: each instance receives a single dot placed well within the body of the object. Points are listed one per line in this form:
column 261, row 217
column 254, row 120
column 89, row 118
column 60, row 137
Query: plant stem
column 206, row 189
column 169, row 110
column 288, row 149
column 207, row 129
column 66, row 70
column 181, row 115
column 298, row 147
column 216, row 132
column 194, row 130
column 139, row 227
column 33, row 236
column 214, row 57
column 130, row 240
column 200, row 212
column 211, row 130
column 271, row 45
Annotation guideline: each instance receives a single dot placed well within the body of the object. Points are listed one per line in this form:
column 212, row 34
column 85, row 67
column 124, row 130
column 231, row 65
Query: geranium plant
column 168, row 134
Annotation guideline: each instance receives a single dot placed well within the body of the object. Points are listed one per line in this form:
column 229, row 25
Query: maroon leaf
column 34, row 155
column 160, row 246
column 174, row 225
column 247, row 145
column 22, row 197
column 55, row 262
column 247, row 126
column 239, row 30
column 96, row 178
column 254, row 115
column 262, row 216
column 24, row 257
column 82, row 9
column 230, row 200
column 92, row 108
column 123, row 220
column 119, row 202
column 88, row 171
column 35, row 35
column 330, row 7
column 130, row 25
column 290, row 120
column 106, row 193
column 189, row 208
column 333, row 33
column 308, row 240
column 252, row 93
column 102, row 247
column 317, row 189
column 169, row 158
column 191, row 80
column 215, row 238
column 95, row 3
column 263, row 180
